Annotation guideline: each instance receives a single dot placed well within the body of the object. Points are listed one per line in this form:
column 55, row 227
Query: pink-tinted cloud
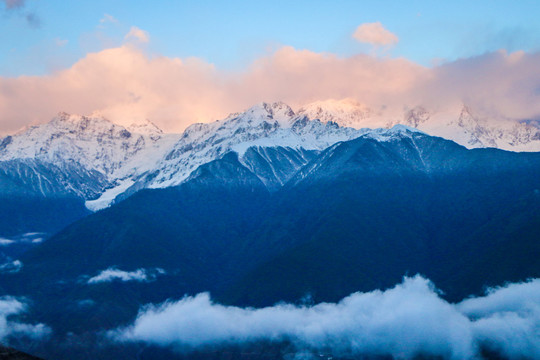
column 374, row 34
column 126, row 85
column 302, row 75
column 498, row 84
column 138, row 34
column 107, row 18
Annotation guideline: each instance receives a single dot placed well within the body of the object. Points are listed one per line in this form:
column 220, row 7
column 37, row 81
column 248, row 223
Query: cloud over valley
column 407, row 320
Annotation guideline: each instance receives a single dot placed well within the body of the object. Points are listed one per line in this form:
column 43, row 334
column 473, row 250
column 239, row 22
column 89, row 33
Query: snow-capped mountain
column 91, row 141
column 348, row 111
column 461, row 124
column 264, row 125
column 96, row 160
column 270, row 139
column 53, row 157
column 471, row 129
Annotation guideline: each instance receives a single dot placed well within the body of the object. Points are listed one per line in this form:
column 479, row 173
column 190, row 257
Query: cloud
column 6, row 242
column 11, row 267
column 31, row 18
column 108, row 19
column 126, row 85
column 498, row 84
column 9, row 307
column 60, row 42
column 13, row 4
column 112, row 274
column 407, row 320
column 508, row 319
column 137, row 34
column 27, row 238
column 374, row 34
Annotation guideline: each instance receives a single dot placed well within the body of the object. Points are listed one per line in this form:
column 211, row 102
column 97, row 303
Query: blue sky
column 232, row 34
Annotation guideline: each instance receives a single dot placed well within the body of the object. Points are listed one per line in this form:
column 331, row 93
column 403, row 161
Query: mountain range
column 113, row 218
column 77, row 164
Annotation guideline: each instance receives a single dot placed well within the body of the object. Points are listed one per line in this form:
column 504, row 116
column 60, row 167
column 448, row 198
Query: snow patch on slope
column 108, row 196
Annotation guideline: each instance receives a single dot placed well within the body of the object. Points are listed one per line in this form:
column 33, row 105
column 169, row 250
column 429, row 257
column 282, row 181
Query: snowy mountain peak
column 279, row 109
column 146, row 128
column 346, row 112
column 467, row 119
column 416, row 116
column 398, row 131
column 263, row 125
column 275, row 112
column 80, row 123
column 404, row 129
column 92, row 142
column 462, row 124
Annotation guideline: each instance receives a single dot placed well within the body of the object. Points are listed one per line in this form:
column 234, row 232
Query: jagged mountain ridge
column 47, row 172
column 92, row 141
column 462, row 124
column 117, row 161
column 264, row 125
column 270, row 139
column 70, row 145
column 137, row 157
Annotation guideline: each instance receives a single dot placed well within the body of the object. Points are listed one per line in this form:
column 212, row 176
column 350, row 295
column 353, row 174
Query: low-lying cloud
column 112, row 274
column 27, row 238
column 6, row 242
column 11, row 267
column 9, row 307
column 404, row 321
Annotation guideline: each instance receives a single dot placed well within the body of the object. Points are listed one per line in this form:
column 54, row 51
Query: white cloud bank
column 404, row 321
column 112, row 274
column 10, row 306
